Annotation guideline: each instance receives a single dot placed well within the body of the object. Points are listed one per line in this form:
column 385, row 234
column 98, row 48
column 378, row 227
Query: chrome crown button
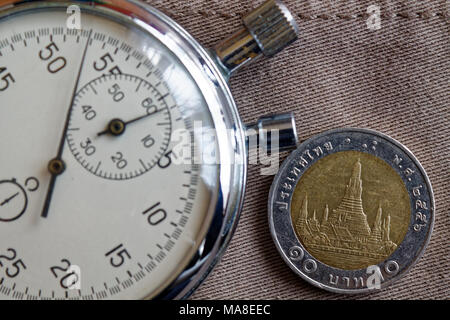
column 272, row 26
column 267, row 30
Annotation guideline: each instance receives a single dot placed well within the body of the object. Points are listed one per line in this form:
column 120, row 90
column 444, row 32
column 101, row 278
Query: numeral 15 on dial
column 118, row 256
column 6, row 79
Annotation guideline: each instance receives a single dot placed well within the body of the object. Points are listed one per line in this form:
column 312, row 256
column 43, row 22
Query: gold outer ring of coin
column 351, row 210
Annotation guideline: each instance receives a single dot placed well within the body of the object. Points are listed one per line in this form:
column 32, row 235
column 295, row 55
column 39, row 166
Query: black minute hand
column 56, row 166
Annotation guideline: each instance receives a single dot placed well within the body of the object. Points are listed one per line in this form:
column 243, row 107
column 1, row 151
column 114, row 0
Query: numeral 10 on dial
column 155, row 214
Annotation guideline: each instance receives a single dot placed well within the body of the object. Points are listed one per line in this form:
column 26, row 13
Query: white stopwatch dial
column 116, row 218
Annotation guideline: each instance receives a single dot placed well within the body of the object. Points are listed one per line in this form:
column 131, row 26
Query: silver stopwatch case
column 266, row 31
column 229, row 192
column 211, row 69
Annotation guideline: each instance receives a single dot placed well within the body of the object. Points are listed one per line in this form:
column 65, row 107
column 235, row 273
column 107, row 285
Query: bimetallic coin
column 351, row 210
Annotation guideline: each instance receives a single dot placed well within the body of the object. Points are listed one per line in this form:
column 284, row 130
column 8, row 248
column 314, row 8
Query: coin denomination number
column 297, row 254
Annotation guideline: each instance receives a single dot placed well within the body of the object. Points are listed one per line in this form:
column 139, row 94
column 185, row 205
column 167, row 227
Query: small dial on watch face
column 120, row 126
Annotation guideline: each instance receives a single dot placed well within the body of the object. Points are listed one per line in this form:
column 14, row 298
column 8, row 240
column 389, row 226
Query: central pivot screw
column 116, row 127
column 56, row 166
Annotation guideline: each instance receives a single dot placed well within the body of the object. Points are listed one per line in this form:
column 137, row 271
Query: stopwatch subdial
column 120, row 126
column 13, row 200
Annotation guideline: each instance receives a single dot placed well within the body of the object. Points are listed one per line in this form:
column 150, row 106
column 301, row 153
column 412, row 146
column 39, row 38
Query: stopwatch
column 123, row 157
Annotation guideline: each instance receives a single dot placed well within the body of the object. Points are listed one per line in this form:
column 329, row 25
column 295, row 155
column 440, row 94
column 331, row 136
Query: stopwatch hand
column 116, row 127
column 56, row 166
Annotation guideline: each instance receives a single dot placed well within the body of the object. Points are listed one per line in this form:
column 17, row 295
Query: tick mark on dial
column 93, row 89
column 143, row 164
column 98, row 167
column 163, row 97
column 139, row 85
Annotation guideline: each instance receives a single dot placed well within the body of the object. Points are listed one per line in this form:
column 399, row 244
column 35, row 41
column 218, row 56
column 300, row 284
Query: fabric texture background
column 338, row 74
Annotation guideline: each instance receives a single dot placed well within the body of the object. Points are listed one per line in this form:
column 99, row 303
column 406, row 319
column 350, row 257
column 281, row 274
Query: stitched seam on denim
column 425, row 15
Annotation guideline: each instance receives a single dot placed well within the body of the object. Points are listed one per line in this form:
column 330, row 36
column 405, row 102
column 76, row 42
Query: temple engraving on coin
column 351, row 233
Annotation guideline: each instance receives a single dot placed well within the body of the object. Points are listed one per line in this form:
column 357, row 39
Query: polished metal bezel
column 225, row 209
column 291, row 248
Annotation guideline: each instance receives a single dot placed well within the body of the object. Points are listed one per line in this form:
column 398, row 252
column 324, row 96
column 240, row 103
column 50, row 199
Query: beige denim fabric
column 338, row 74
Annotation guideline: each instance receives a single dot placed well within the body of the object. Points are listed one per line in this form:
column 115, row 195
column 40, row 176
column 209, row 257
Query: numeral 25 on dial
column 15, row 265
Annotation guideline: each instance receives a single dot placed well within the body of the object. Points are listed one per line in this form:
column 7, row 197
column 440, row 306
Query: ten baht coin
column 351, row 210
